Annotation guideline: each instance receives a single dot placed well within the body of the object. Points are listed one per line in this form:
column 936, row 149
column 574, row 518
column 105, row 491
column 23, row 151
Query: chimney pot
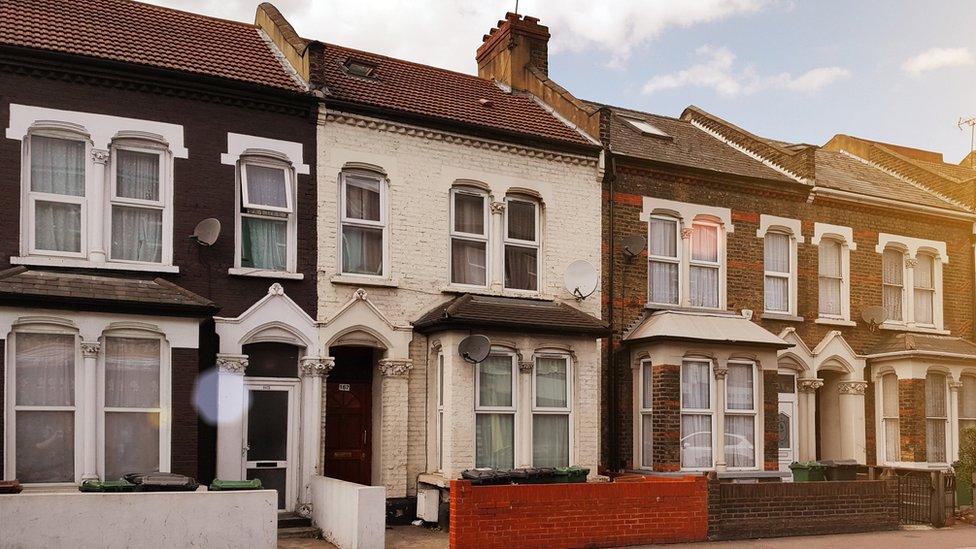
column 509, row 48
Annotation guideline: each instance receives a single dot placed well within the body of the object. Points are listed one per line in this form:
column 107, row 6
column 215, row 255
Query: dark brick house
column 120, row 328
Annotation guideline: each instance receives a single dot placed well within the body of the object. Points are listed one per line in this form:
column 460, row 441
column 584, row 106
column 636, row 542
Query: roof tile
column 509, row 313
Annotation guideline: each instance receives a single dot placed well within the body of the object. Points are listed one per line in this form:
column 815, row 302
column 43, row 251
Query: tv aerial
column 582, row 279
column 874, row 316
column 206, row 231
column 971, row 122
column 474, row 348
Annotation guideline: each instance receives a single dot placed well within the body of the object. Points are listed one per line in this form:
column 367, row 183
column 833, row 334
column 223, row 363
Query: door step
column 292, row 520
column 298, row 532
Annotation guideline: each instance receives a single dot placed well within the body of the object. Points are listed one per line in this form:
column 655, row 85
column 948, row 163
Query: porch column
column 852, row 444
column 495, row 270
column 720, row 372
column 90, row 350
column 230, row 412
column 807, row 422
column 952, row 450
column 96, row 223
column 313, row 372
column 393, row 423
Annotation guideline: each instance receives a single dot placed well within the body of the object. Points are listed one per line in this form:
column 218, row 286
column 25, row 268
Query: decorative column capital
column 231, row 364
column 809, row 385
column 955, row 385
column 526, row 366
column 100, row 156
column 720, row 372
column 90, row 349
column 852, row 387
column 395, row 367
column 312, row 366
column 686, row 233
column 498, row 207
column 911, row 262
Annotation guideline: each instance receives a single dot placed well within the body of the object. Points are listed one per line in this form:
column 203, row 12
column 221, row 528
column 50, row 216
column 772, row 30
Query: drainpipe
column 611, row 177
column 972, row 240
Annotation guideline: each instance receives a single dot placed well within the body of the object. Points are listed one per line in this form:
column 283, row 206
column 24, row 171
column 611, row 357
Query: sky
column 796, row 70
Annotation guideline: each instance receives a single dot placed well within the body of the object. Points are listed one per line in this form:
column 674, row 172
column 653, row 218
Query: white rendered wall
column 351, row 516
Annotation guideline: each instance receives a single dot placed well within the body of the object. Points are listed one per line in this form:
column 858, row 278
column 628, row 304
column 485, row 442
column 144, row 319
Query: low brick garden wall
column 655, row 510
column 766, row 510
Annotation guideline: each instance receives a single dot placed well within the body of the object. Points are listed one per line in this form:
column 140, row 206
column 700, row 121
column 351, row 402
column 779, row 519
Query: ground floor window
column 696, row 415
column 936, row 417
column 741, row 408
column 551, row 412
column 495, row 409
column 967, row 403
column 646, row 415
column 889, row 418
column 132, row 405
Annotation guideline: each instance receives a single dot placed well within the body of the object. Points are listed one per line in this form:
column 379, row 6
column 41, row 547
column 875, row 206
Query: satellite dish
column 874, row 316
column 581, row 279
column 634, row 245
column 474, row 348
column 206, row 231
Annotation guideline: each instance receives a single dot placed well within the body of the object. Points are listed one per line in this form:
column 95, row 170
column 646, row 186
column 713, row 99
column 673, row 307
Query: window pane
column 647, row 378
column 777, row 252
column 495, row 381
column 45, row 369
column 647, row 440
column 935, row 422
column 695, row 379
column 362, row 250
column 137, row 175
column 894, row 265
column 924, row 272
column 785, row 383
column 664, row 238
column 935, row 398
column 740, row 387
column 362, row 198
column 57, row 226
column 131, row 443
column 924, row 306
column 495, row 441
column 785, row 432
column 893, row 301
column 131, row 372
column 704, row 243
column 829, row 301
column 550, row 440
column 137, row 234
column 935, row 443
column 551, row 384
column 830, row 260
column 704, row 287
column 889, row 398
column 521, row 220
column 696, row 440
column 264, row 243
column 521, row 268
column 45, row 446
column 740, row 441
column 777, row 294
column 892, row 440
column 967, row 398
column 440, row 380
column 468, row 262
column 664, row 282
column 266, row 186
column 469, row 213
column 57, row 166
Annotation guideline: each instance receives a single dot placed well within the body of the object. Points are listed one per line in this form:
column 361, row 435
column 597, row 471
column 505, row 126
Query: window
column 469, row 237
column 495, row 407
column 889, row 418
column 44, row 420
column 778, row 272
column 663, row 262
column 893, row 261
column 363, row 224
column 56, row 199
column 924, row 289
column 646, row 415
column 831, row 278
column 740, row 416
column 267, row 215
column 967, row 403
column 936, row 418
column 132, row 407
column 696, row 415
column 912, row 282
column 704, row 265
column 521, row 245
column 440, row 412
column 551, row 406
column 137, row 204
column 645, row 127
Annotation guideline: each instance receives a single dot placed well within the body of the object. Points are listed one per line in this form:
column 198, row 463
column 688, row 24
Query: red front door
column 347, row 431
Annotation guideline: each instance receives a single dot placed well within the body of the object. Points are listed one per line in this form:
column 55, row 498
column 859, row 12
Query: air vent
column 357, row 67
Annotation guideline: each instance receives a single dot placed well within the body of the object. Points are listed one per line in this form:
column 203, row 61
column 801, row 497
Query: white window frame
column 916, row 288
column 844, row 236
column 507, row 410
column 710, row 411
column 11, row 407
column 946, row 436
column 883, row 419
column 164, row 204
column 471, row 237
column 718, row 266
column 645, row 370
column 32, row 197
column 789, row 275
column 440, row 412
column 962, row 396
column 911, row 248
column 536, row 244
column 790, row 228
column 165, row 396
column 266, row 159
column 757, row 440
column 383, row 223
column 903, row 287
column 548, row 410
column 675, row 260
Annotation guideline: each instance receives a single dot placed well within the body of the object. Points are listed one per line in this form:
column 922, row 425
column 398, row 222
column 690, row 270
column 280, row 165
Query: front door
column 269, row 443
column 787, row 421
column 347, row 431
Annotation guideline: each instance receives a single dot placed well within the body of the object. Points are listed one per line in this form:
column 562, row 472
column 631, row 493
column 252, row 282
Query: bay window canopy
column 711, row 327
column 510, row 314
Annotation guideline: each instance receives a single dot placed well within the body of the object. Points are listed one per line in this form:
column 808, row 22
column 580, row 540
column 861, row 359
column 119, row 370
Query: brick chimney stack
column 511, row 48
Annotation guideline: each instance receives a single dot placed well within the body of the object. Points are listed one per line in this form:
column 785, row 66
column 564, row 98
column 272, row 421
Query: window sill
column 835, row 321
column 354, row 280
column 480, row 290
column 265, row 273
column 434, row 479
column 914, row 329
column 785, row 317
column 85, row 264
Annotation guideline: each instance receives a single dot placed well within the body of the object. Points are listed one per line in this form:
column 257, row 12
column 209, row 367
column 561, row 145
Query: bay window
column 778, row 260
column 663, row 261
column 440, row 412
column 704, row 267
column 830, row 279
column 890, row 428
column 646, row 399
column 521, row 254
column 967, row 403
column 469, row 237
column 363, row 205
column 696, row 415
column 57, row 205
column 495, row 408
column 137, row 204
column 924, row 290
column 267, row 215
column 893, row 280
column 741, row 409
column 551, row 409
column 936, row 417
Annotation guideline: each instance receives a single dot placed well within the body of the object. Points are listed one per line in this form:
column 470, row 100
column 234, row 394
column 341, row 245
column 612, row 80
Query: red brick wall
column 911, row 419
column 666, row 416
column 578, row 515
column 770, row 420
column 870, row 432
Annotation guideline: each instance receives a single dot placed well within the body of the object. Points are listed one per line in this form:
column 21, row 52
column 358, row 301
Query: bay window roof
column 713, row 327
column 510, row 313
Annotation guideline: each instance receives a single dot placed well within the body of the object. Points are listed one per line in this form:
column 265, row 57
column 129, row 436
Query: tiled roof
column 925, row 344
column 509, row 314
column 686, row 145
column 92, row 291
column 452, row 97
column 132, row 32
column 952, row 171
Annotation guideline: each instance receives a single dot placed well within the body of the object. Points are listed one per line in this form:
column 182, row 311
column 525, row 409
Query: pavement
column 397, row 537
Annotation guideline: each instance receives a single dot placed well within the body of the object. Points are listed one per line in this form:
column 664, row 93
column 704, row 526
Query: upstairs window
column 267, row 215
column 521, row 245
column 363, row 224
column 137, row 204
column 912, row 282
column 830, row 279
column 663, row 261
column 894, row 283
column 778, row 272
column 704, row 266
column 469, row 237
column 56, row 199
column 924, row 289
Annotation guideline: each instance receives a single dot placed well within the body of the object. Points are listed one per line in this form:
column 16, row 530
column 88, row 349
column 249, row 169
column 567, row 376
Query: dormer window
column 360, row 68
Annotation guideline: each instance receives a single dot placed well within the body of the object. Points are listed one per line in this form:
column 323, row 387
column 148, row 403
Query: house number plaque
column 344, row 387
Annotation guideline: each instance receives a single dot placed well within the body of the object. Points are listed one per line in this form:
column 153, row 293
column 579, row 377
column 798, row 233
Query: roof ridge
column 400, row 60
column 906, row 179
column 158, row 7
column 915, row 162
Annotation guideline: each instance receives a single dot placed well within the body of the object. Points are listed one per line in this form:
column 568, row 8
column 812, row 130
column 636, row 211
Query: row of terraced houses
column 787, row 301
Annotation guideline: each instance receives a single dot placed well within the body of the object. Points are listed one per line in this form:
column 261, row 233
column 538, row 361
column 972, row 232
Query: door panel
column 787, row 434
column 267, row 438
column 348, row 432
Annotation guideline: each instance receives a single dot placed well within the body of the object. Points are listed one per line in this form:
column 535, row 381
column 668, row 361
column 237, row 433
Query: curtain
column 551, row 383
column 647, row 440
column 777, row 293
column 362, row 198
column 362, row 250
column 740, row 390
column 45, row 446
column 664, row 238
column 468, row 262
column 776, row 253
column 521, row 220
column 495, row 441
column 893, row 276
column 469, row 213
column 935, row 418
column 695, row 381
column 137, row 234
column 267, row 186
column 704, row 286
column 131, row 372
column 647, row 401
column 550, row 440
column 137, row 175
column 264, row 243
column 740, row 441
column 521, row 267
column 495, row 382
column 131, row 443
column 967, row 398
column 57, row 226
column 664, row 282
column 924, row 289
column 830, row 277
column 704, row 243
column 696, row 440
column 57, row 166
column 889, row 414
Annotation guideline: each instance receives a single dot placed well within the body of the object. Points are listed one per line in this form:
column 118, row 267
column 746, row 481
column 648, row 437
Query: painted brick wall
column 184, row 433
column 774, row 509
column 578, row 515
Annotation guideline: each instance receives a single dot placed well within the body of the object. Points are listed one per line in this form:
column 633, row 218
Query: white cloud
column 717, row 71
column 937, row 58
column 446, row 33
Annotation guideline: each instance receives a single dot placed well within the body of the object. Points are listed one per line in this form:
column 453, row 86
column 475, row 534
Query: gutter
column 899, row 354
column 887, row 202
